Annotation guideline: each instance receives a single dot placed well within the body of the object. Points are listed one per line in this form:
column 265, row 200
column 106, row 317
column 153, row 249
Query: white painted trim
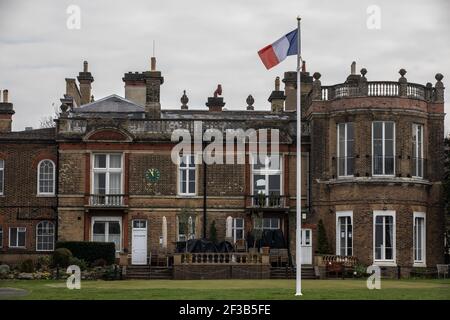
column 384, row 262
column 108, row 170
column 345, row 155
column 1, row 236
column 2, row 180
column 37, row 225
column 383, row 136
column 45, row 194
column 266, row 173
column 420, row 263
column 415, row 152
column 187, row 169
column 340, row 214
column 17, row 237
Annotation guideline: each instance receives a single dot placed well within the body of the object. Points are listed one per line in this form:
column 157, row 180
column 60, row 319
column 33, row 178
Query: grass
column 231, row 289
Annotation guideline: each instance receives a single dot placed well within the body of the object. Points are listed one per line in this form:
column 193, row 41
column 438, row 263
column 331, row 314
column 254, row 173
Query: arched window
column 45, row 236
column 46, row 177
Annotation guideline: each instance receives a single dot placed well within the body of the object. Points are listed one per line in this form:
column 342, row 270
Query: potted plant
column 123, row 257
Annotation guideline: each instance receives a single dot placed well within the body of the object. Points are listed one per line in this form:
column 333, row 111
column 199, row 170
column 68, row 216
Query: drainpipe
column 57, row 192
column 204, row 199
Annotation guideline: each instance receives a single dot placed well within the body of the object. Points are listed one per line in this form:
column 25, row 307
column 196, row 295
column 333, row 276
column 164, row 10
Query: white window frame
column 1, row 236
column 187, row 169
column 192, row 223
column 107, row 219
column 417, row 141
column 420, row 263
column 278, row 226
column 46, row 194
column 345, row 155
column 266, row 172
column 383, row 147
column 2, row 177
column 22, row 229
column 234, row 229
column 107, row 171
column 342, row 214
column 37, row 236
column 385, row 262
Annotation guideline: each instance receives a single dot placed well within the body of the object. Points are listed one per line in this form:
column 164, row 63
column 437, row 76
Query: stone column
column 439, row 88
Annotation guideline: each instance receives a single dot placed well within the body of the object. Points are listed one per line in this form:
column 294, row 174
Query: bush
column 90, row 251
column 27, row 266
column 44, row 262
column 323, row 247
column 61, row 257
column 99, row 263
column 78, row 262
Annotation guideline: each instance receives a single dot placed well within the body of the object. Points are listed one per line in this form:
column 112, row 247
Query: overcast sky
column 200, row 43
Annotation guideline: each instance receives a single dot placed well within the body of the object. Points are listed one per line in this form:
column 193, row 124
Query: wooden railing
column 208, row 258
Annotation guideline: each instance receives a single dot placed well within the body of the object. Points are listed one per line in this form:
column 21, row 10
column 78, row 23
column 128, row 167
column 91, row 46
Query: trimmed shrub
column 99, row 263
column 61, row 257
column 27, row 266
column 78, row 262
column 323, row 247
column 90, row 251
column 44, row 262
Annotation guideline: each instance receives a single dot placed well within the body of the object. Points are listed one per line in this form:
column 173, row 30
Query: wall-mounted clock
column 152, row 175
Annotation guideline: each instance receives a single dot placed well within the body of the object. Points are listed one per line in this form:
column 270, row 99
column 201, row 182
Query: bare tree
column 49, row 121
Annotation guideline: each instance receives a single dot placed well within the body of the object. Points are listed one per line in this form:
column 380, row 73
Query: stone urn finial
column 439, row 76
column 250, row 101
column 184, row 101
column 363, row 72
column 402, row 72
column 316, row 75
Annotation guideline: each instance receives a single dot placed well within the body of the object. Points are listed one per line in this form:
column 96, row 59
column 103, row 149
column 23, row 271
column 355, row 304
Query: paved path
column 12, row 293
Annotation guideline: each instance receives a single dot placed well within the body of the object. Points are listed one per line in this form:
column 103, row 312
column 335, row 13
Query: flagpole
column 299, row 173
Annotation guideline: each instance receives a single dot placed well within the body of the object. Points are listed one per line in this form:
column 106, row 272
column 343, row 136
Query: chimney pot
column 153, row 64
column 353, row 68
column 85, row 66
column 5, row 96
column 303, row 65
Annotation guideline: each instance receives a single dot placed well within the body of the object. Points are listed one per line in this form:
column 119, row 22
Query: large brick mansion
column 372, row 170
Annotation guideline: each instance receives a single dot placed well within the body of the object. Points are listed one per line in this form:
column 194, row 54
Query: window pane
column 99, row 233
column 239, row 223
column 349, row 130
column 115, row 183
column 100, row 161
column 389, row 130
column 46, row 176
column 115, row 161
column 100, row 183
column 259, row 184
column 21, row 237
column 377, row 130
column 2, row 164
column 274, row 184
column 1, row 181
column 13, row 237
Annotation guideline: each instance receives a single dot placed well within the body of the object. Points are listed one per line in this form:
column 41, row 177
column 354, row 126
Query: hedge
column 90, row 251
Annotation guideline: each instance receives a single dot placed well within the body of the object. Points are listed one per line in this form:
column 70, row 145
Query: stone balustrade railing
column 358, row 86
column 228, row 258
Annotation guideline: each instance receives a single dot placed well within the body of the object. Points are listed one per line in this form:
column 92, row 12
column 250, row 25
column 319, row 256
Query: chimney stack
column 85, row 79
column 290, row 87
column 277, row 98
column 153, row 81
column 6, row 113
column 215, row 103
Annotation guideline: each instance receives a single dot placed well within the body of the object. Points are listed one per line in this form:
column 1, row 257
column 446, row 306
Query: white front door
column 139, row 242
column 306, row 246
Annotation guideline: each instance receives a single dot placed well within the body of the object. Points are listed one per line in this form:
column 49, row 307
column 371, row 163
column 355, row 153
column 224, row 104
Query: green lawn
column 231, row 289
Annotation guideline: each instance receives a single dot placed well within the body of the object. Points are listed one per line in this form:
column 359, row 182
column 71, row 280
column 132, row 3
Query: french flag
column 276, row 52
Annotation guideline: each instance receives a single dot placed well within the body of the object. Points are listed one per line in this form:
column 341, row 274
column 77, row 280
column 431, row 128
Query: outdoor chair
column 442, row 269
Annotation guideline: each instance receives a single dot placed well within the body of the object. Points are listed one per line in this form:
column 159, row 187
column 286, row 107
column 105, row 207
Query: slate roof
column 113, row 104
column 30, row 135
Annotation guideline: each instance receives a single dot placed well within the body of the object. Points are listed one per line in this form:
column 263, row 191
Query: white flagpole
column 298, row 259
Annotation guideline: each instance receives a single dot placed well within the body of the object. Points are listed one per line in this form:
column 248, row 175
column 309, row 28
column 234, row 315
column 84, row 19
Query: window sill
column 18, row 248
column 384, row 263
column 45, row 195
column 419, row 264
